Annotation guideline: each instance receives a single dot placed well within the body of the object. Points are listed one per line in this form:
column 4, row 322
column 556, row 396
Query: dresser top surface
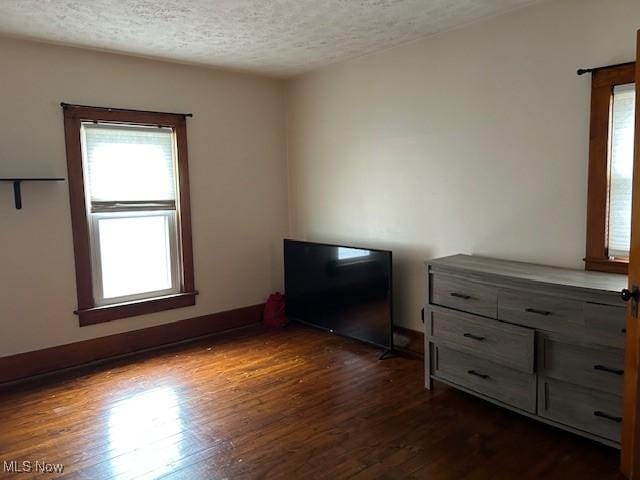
column 606, row 282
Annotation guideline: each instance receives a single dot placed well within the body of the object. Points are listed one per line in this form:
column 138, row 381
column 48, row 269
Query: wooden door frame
column 630, row 455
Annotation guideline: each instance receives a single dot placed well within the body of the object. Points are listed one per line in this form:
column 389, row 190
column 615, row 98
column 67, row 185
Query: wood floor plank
column 282, row 404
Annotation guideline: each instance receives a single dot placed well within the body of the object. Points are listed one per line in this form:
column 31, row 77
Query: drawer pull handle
column 474, row 337
column 602, row 368
column 613, row 418
column 477, row 374
column 538, row 312
column 460, row 295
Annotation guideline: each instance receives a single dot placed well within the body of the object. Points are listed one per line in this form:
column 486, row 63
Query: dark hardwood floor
column 294, row 403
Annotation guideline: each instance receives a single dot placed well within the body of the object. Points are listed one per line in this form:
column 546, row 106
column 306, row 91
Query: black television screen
column 342, row 289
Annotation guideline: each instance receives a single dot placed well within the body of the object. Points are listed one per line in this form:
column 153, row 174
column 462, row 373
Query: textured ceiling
column 276, row 37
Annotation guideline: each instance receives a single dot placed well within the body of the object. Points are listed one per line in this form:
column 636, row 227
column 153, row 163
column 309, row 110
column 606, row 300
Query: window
column 610, row 168
column 621, row 170
column 130, row 211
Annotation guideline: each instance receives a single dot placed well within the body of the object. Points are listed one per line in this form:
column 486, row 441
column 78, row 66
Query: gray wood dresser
column 543, row 341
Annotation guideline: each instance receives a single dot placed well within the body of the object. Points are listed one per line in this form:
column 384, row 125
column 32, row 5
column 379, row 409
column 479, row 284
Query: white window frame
column 114, row 209
column 96, row 263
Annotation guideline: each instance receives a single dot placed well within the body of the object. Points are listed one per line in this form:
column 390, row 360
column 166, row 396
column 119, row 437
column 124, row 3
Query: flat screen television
column 342, row 289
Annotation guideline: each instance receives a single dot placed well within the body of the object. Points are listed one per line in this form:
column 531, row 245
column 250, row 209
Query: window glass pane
column 622, row 127
column 135, row 254
column 129, row 163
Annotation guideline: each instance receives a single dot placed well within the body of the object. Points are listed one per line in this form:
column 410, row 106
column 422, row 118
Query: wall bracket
column 17, row 182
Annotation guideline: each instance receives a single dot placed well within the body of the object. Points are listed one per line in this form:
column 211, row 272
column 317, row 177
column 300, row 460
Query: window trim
column 602, row 83
column 88, row 312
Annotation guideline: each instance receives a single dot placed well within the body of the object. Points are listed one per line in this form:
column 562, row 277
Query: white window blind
column 621, row 170
column 129, row 163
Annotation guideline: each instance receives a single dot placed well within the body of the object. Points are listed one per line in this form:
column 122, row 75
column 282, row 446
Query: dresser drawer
column 593, row 412
column 594, row 322
column 487, row 378
column 599, row 368
column 461, row 294
column 606, row 324
column 499, row 342
column 555, row 314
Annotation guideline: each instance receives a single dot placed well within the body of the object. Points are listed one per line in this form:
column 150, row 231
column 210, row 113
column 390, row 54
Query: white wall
column 473, row 141
column 236, row 142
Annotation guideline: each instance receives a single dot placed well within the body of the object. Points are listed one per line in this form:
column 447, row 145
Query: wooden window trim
column 87, row 311
column 602, row 83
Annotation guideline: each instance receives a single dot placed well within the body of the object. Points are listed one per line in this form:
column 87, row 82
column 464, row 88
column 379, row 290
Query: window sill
column 607, row 265
column 106, row 313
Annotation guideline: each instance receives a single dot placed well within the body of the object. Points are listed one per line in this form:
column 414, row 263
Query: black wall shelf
column 17, row 181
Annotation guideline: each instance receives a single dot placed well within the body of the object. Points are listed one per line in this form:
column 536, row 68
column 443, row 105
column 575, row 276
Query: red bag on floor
column 274, row 311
